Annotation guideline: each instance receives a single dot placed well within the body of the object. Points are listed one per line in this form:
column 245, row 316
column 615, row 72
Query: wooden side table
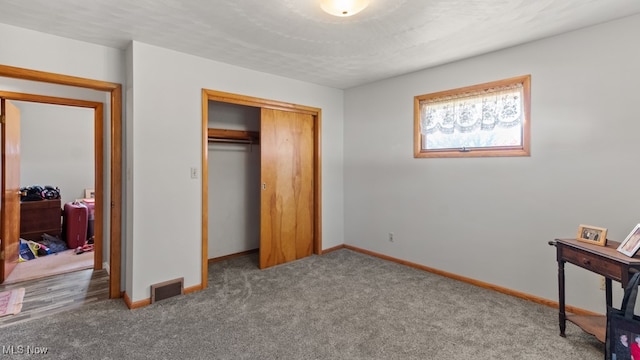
column 602, row 260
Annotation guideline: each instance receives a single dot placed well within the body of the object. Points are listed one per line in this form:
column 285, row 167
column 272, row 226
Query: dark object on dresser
column 37, row 193
column 39, row 217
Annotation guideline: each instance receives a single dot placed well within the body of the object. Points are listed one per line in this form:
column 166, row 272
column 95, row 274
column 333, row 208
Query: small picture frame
column 89, row 193
column 592, row 235
column 631, row 244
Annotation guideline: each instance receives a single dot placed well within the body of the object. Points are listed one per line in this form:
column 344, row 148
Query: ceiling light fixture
column 343, row 7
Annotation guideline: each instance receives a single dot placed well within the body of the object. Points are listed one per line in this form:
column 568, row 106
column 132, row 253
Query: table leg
column 562, row 317
column 607, row 286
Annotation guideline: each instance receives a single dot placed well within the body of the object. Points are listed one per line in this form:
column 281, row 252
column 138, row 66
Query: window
column 489, row 119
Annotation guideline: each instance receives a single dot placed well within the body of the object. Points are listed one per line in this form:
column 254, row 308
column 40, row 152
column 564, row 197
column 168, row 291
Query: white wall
column 56, row 148
column 490, row 218
column 38, row 51
column 166, row 128
column 234, row 183
column 128, row 165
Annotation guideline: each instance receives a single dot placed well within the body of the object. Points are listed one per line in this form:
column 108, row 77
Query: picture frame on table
column 592, row 234
column 631, row 243
column 89, row 193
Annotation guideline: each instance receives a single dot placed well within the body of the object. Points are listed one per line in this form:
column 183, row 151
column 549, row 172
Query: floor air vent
column 167, row 289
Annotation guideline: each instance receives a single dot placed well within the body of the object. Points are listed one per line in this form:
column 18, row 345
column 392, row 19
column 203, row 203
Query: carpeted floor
column 342, row 305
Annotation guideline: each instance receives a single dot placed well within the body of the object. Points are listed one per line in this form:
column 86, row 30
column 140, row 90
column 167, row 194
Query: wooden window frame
column 522, row 150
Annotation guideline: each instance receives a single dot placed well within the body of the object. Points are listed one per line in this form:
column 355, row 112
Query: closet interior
column 233, row 144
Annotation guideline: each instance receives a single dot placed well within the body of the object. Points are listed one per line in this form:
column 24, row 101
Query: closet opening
column 261, row 179
column 233, row 151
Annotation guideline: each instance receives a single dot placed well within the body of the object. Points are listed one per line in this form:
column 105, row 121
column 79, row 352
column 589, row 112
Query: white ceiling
column 296, row 39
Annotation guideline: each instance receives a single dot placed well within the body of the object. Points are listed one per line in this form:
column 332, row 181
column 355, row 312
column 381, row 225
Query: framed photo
column 631, row 244
column 592, row 235
column 89, row 193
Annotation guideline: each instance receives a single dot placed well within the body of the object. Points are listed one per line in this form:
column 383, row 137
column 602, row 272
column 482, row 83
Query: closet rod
column 235, row 141
column 238, row 136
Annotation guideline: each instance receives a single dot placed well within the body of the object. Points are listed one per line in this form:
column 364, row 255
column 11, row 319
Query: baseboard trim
column 482, row 284
column 144, row 302
column 231, row 256
column 135, row 305
column 326, row 251
column 192, row 289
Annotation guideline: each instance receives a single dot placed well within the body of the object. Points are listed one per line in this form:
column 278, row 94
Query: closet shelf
column 235, row 136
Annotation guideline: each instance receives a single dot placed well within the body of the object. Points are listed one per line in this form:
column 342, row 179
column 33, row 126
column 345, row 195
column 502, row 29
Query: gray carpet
column 342, row 305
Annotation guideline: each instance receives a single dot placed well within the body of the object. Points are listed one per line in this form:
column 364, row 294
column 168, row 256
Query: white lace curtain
column 484, row 110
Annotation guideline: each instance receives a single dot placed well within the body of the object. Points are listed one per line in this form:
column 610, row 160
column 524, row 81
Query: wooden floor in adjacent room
column 54, row 264
column 53, row 294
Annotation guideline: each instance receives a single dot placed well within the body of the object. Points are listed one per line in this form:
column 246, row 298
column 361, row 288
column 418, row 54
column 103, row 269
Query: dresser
column 39, row 217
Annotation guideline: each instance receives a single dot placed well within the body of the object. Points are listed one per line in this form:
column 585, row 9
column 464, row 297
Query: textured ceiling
column 295, row 39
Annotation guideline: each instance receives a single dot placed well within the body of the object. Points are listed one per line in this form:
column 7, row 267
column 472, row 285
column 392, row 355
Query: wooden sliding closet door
column 287, row 200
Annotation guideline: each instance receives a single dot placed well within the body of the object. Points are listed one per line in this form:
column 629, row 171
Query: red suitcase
column 75, row 224
column 91, row 206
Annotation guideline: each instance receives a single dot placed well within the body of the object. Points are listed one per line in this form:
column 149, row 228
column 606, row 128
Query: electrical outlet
column 194, row 173
column 391, row 237
column 603, row 285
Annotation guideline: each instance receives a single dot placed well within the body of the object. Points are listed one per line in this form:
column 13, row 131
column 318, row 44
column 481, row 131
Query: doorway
column 57, row 148
column 302, row 128
column 115, row 166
